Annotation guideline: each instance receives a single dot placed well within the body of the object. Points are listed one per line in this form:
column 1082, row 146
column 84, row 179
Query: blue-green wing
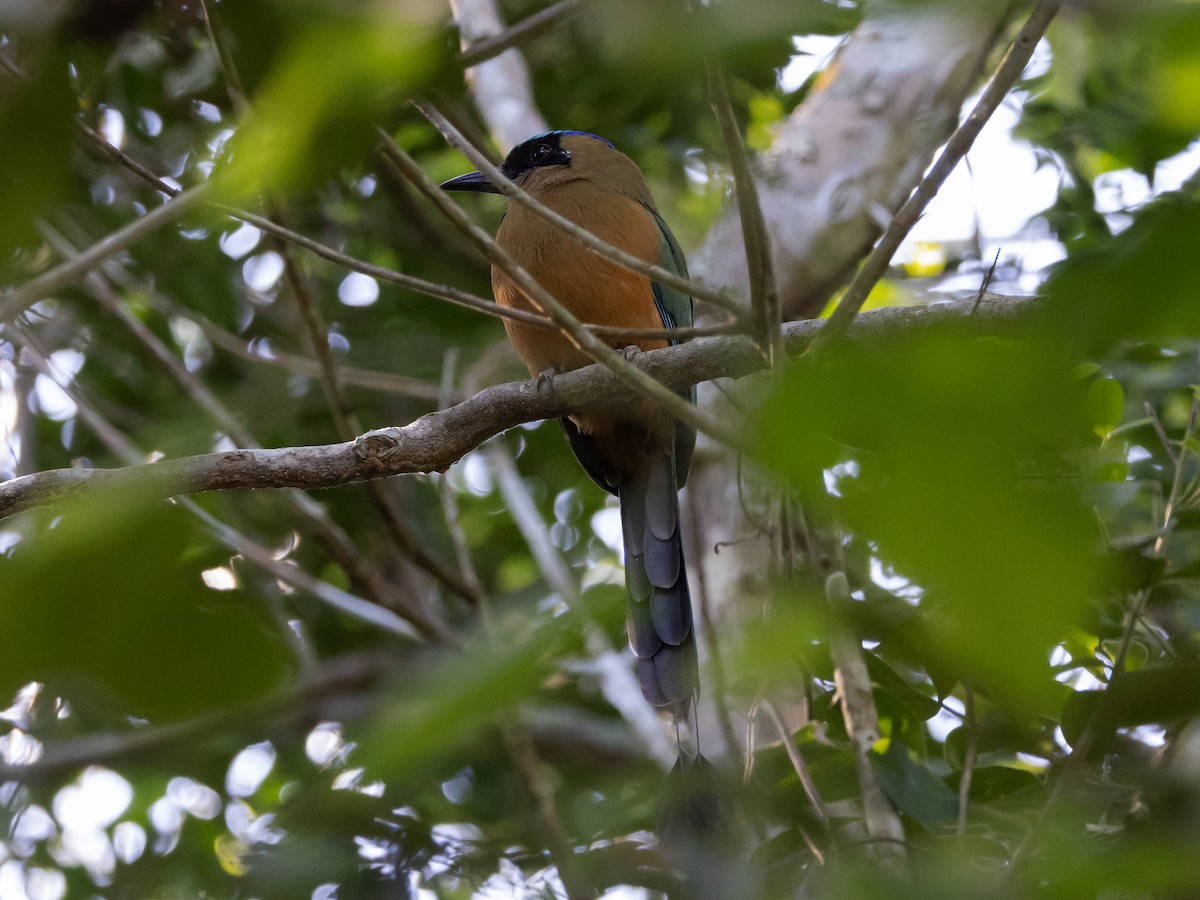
column 675, row 310
column 675, row 307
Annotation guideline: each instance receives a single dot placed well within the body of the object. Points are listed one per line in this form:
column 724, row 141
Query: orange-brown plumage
column 595, row 290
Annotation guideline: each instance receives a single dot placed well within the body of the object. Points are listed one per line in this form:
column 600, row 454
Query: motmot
column 638, row 453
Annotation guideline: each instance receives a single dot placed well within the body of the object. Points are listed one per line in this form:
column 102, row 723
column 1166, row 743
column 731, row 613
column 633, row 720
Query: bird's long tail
column 694, row 815
column 660, row 606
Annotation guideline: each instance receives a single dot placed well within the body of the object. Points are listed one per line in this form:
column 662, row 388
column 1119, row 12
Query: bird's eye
column 540, row 152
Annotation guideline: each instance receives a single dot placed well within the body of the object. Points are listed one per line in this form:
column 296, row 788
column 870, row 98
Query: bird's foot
column 630, row 352
column 544, row 379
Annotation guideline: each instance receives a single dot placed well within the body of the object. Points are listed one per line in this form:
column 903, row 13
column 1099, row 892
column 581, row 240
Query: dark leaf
column 914, row 790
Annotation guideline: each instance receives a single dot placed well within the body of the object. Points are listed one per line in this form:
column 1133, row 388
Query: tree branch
column 434, row 441
column 857, row 146
column 343, row 601
column 335, row 540
column 862, row 725
column 484, row 48
column 875, row 267
column 305, row 701
column 764, row 296
column 500, row 83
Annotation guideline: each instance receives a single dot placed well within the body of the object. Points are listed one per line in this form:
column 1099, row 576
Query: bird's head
column 548, row 160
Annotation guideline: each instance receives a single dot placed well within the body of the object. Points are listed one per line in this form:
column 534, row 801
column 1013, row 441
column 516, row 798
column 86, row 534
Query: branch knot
column 374, row 447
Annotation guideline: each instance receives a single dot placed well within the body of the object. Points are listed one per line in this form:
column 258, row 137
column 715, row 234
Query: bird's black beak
column 472, row 181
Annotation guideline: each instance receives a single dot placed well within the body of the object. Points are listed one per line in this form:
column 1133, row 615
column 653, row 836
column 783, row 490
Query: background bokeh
column 421, row 685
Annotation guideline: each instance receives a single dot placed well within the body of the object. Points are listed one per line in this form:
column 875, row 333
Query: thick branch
column 434, row 441
column 856, row 148
column 956, row 148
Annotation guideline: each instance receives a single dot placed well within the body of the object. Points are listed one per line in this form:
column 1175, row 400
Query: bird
column 640, row 454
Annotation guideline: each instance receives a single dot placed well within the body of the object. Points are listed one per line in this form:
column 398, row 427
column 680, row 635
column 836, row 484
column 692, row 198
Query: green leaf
column 316, row 109
column 921, row 707
column 1138, row 284
column 990, row 784
column 459, row 699
column 1104, row 405
column 915, row 791
column 1159, row 694
column 1110, row 472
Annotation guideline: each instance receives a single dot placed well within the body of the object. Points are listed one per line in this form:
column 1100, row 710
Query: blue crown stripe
column 563, row 132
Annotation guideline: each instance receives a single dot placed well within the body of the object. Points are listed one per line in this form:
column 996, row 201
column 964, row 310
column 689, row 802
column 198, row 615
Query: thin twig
column 450, row 512
column 616, row 680
column 10, row 65
column 968, row 770
column 72, row 270
column 387, row 382
column 529, row 521
column 703, row 601
column 764, row 295
column 960, row 142
column 686, row 332
column 332, row 537
column 527, row 29
column 600, row 247
column 294, row 631
column 311, row 319
column 229, row 72
column 502, row 87
column 341, row 600
column 446, row 293
column 798, row 763
column 1163, row 438
column 524, row 755
column 195, row 388
column 418, row 285
column 987, row 278
column 402, row 535
column 316, row 335
column 299, row 701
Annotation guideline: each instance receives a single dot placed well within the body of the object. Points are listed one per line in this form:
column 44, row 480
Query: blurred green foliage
column 106, row 598
column 35, row 144
column 958, row 446
column 983, row 511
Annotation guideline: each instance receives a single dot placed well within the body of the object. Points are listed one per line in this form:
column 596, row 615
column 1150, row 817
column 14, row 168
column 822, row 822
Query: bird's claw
column 544, row 379
column 630, row 352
